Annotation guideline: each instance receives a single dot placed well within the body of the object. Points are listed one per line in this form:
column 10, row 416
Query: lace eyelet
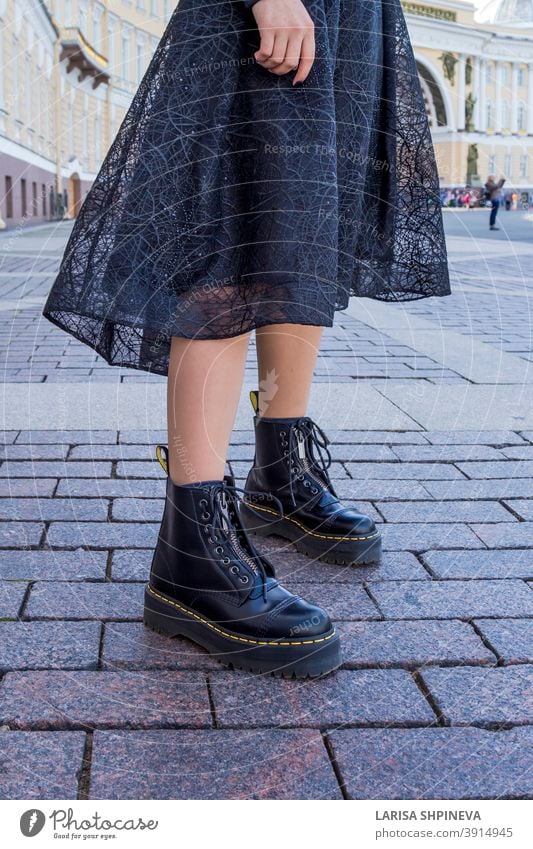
column 226, row 560
column 202, row 502
column 300, row 477
column 283, row 433
column 234, row 570
column 219, row 549
column 314, row 490
column 244, row 579
column 205, row 516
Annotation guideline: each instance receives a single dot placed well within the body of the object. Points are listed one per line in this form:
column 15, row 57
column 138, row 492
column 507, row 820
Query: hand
column 287, row 37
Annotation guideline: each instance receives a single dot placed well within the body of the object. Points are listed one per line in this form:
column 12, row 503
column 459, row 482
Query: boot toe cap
column 301, row 619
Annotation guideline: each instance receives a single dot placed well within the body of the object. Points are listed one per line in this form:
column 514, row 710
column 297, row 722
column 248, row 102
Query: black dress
column 230, row 199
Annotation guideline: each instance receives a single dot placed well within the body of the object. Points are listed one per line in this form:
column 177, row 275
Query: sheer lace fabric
column 230, row 199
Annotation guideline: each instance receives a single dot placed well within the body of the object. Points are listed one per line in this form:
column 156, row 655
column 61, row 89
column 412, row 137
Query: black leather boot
column 291, row 462
column 208, row 583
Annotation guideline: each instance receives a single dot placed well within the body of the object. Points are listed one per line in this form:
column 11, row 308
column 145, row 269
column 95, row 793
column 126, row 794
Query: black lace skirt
column 230, row 199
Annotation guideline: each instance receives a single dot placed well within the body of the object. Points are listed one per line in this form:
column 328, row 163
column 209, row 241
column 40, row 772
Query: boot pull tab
column 254, row 398
column 161, row 452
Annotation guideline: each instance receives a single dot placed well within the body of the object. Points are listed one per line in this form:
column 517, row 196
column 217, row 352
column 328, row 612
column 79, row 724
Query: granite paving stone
column 55, row 468
column 503, row 469
column 20, row 534
column 31, row 487
column 40, row 764
column 69, row 437
column 110, row 488
column 145, row 509
column 411, row 643
column 377, row 437
column 434, row 763
column 49, row 645
column 378, row 490
column 34, row 452
column 50, row 509
column 522, row 508
column 360, row 697
column 342, row 601
column 130, row 645
column 12, row 595
column 480, row 564
column 512, row 639
column 478, row 489
column 104, row 699
column 253, row 764
column 375, row 453
column 112, row 452
column 8, row 436
column 452, row 599
column 446, row 453
column 404, row 471
column 518, row 452
column 473, row 437
column 445, row 511
column 477, row 695
column 149, row 437
column 290, row 565
column 103, row 534
column 418, row 536
column 505, row 536
column 54, row 600
column 45, row 565
column 131, row 565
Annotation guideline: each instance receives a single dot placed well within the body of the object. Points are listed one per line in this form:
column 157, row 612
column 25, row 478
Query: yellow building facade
column 476, row 70
column 69, row 71
column 71, row 67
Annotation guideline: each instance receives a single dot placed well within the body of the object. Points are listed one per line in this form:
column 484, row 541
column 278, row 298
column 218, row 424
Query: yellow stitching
column 253, row 505
column 232, row 636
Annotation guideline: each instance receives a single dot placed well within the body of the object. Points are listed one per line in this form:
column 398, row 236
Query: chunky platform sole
column 344, row 551
column 295, row 657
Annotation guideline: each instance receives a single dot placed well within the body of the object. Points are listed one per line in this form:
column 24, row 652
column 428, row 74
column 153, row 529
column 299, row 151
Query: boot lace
column 315, row 463
column 221, row 505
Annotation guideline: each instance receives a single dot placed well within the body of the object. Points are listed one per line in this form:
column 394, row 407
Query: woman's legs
column 292, row 459
column 204, row 385
column 286, row 357
column 207, row 581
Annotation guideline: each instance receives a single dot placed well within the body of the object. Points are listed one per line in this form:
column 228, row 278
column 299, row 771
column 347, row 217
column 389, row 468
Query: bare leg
column 204, row 385
column 286, row 357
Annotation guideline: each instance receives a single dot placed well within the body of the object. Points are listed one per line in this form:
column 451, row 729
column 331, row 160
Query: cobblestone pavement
column 434, row 697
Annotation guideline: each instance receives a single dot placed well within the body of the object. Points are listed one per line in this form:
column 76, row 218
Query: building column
column 476, row 90
column 530, row 99
column 514, row 97
column 461, row 91
column 498, row 121
column 481, row 124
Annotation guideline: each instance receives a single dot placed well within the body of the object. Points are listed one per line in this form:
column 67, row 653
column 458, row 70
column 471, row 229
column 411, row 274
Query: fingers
column 278, row 52
column 286, row 37
column 307, row 57
column 290, row 58
column 266, row 47
column 280, row 55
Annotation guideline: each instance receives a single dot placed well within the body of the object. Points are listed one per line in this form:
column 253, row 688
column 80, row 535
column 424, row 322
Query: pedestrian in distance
column 494, row 195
